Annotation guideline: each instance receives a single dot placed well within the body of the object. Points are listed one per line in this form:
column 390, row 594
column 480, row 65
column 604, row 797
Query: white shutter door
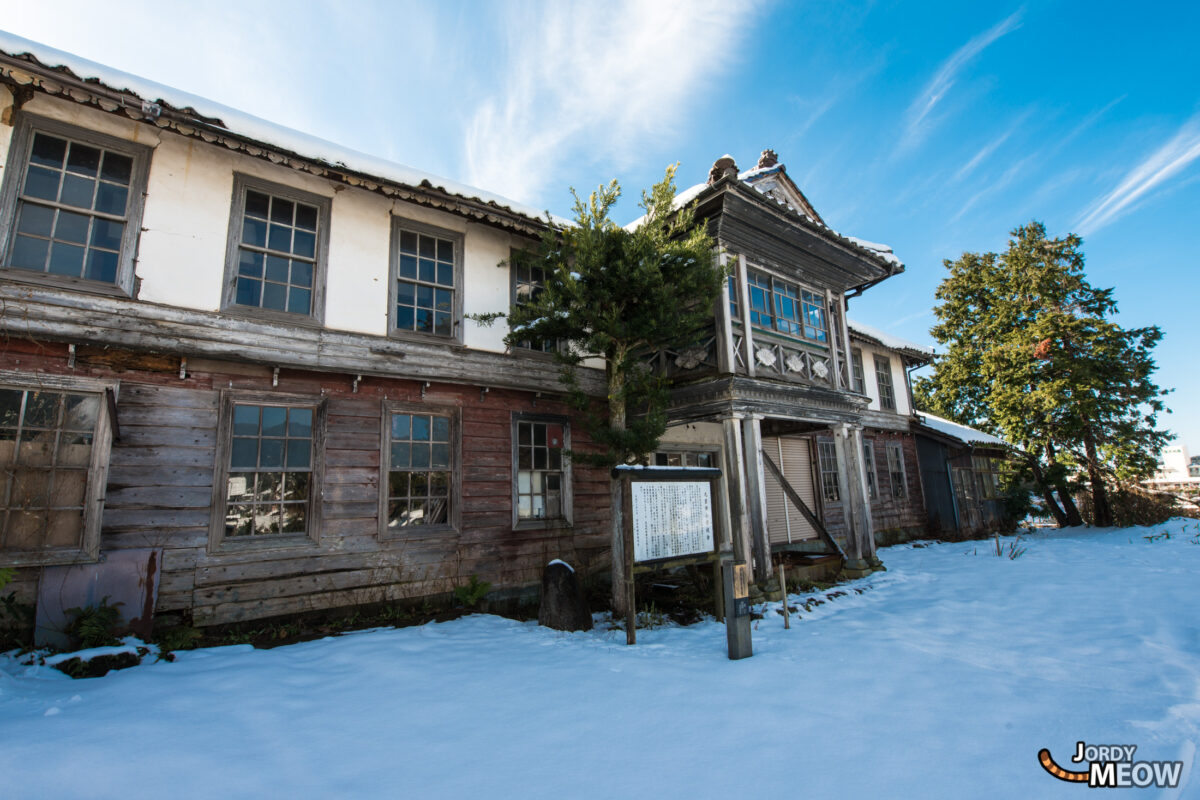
column 785, row 523
column 779, row 511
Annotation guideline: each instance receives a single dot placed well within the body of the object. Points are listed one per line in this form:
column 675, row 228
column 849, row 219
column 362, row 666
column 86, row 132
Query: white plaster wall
column 706, row 433
column 871, row 384
column 181, row 251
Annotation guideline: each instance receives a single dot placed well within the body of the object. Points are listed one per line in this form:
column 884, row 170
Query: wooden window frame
column 858, row 376
column 454, row 518
column 97, row 482
column 401, row 224
column 14, row 178
column 754, row 276
column 883, row 367
column 830, row 478
column 526, row 347
column 568, row 494
column 684, row 450
column 902, row 485
column 217, row 541
column 872, row 476
column 243, row 183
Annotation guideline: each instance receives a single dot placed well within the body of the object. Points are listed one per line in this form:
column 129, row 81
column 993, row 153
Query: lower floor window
column 895, row 458
column 869, row 462
column 46, row 459
column 419, row 470
column 827, row 457
column 541, row 483
column 685, row 458
column 269, row 483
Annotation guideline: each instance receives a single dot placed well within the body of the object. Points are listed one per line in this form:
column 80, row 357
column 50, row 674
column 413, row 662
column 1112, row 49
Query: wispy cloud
column 601, row 79
column 1162, row 165
column 991, row 147
column 918, row 119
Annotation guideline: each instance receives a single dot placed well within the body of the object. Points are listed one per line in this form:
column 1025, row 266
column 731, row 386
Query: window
column 869, row 462
column 778, row 305
column 828, row 462
column 856, row 366
column 528, row 282
column 426, row 272
column 76, row 200
column 895, row 459
column 541, row 491
column 685, row 458
column 419, row 463
column 269, row 478
column 54, row 446
column 883, row 377
column 731, row 290
column 278, row 239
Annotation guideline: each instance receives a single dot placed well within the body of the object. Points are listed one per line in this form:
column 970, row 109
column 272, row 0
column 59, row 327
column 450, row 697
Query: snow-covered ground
column 942, row 679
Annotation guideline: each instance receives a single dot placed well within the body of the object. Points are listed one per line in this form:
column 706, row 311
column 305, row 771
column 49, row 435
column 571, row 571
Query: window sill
column 269, row 315
column 541, row 524
column 253, row 544
column 416, row 532
column 52, row 558
column 27, row 276
column 425, row 338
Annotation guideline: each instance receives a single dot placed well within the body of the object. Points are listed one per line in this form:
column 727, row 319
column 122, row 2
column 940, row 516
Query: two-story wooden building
column 236, row 367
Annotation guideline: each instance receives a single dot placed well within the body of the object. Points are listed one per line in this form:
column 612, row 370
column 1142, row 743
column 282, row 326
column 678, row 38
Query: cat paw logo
column 1111, row 766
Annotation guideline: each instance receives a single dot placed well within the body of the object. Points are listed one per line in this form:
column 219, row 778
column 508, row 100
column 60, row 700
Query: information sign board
column 671, row 519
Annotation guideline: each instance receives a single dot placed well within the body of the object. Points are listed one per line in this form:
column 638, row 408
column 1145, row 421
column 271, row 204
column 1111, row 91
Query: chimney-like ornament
column 769, row 158
column 723, row 167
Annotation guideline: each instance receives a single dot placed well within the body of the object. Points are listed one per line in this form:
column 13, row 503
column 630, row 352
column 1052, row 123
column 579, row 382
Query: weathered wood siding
column 159, row 491
column 893, row 519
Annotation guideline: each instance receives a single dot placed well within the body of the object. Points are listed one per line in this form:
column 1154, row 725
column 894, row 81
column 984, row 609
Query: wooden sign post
column 670, row 520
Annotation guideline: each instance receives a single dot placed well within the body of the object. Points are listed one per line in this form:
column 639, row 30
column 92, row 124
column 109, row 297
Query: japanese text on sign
column 671, row 518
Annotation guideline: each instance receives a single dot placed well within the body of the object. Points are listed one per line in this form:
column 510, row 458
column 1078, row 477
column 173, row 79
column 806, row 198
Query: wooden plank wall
column 161, row 474
column 890, row 516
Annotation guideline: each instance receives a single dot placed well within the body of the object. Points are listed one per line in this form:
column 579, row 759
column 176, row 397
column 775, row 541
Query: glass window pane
column 106, row 233
column 408, row 242
column 405, row 318
column 420, row 428
column 420, row 456
column 441, row 324
column 400, row 426
column 299, row 301
column 280, row 238
column 424, row 320
column 294, row 518
column 401, row 455
column 254, row 232
column 77, row 191
column 441, row 429
column 244, row 454
column 266, row 520
column 304, row 244
column 428, row 247
column 277, row 269
column 539, row 458
column 111, row 199
column 443, row 300
column 250, row 264
column 424, row 297
column 440, row 458
column 117, row 168
column 282, row 210
column 439, row 484
column 274, row 420
column 35, row 219
column 240, row 486
column 298, row 453
column 71, row 227
column 300, row 422
column 270, row 453
column 302, row 273
column 48, row 151
column 83, row 159
column 245, row 420
column 445, row 274
column 524, row 433
column 306, row 217
column 30, row 253
column 274, row 296
column 249, row 292
column 42, row 183
column 101, row 266
column 257, row 204
column 66, row 259
column 420, row 484
column 408, row 266
column 445, row 250
column 427, row 270
column 10, row 407
column 397, row 484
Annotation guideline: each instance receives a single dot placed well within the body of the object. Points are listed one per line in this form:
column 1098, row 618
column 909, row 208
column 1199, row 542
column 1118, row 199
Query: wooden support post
column 735, row 480
column 787, row 622
column 756, row 497
column 627, row 542
column 744, row 305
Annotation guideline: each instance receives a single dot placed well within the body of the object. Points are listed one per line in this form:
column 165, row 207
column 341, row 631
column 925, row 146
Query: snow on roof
column 960, row 432
column 260, row 130
column 887, row 339
column 882, row 250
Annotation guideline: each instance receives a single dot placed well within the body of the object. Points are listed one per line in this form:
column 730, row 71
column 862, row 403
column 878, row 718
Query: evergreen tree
column 618, row 295
column 1034, row 355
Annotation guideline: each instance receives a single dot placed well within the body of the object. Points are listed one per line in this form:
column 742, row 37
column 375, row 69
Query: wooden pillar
column 744, row 306
column 756, row 496
column 726, row 360
column 735, row 481
column 851, row 481
column 856, row 433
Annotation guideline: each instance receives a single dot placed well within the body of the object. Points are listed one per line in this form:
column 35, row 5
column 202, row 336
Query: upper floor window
column 54, row 447
column 76, row 205
column 266, row 489
column 787, row 308
column 883, row 378
column 529, row 281
column 542, row 482
column 277, row 250
column 425, row 296
column 420, row 464
column 856, row 366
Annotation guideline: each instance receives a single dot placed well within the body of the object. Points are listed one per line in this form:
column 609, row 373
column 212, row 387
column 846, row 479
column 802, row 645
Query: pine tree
column 1034, row 354
column 619, row 295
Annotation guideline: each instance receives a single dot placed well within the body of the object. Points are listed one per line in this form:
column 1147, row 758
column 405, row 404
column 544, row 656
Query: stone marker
column 563, row 607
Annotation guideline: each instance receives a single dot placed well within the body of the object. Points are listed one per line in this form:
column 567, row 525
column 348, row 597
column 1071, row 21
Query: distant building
column 1175, row 470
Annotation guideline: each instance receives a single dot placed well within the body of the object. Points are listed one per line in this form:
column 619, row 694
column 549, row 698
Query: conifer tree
column 1034, row 355
column 618, row 295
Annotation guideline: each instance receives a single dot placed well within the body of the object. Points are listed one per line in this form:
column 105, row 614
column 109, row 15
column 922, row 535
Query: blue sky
column 934, row 127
